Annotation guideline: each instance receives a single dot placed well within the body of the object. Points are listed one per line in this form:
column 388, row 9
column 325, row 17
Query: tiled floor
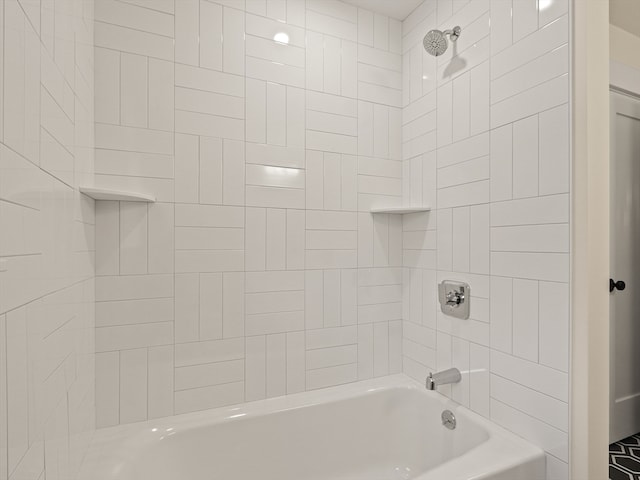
column 624, row 459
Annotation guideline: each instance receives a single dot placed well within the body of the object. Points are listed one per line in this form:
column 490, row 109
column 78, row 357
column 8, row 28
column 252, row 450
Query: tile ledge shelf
column 116, row 195
column 400, row 210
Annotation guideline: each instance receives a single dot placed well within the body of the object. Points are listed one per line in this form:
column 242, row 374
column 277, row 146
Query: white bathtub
column 385, row 429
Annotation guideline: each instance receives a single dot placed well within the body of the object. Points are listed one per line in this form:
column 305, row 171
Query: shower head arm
column 453, row 34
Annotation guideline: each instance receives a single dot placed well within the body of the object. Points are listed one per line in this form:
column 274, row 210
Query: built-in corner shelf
column 400, row 210
column 116, row 195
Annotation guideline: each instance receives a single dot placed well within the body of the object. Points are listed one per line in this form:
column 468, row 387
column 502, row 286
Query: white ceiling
column 398, row 9
column 625, row 14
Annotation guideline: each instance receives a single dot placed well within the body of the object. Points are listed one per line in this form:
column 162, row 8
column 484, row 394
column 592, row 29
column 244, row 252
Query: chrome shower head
column 435, row 41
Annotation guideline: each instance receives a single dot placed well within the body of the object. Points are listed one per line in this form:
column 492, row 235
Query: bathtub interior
column 389, row 434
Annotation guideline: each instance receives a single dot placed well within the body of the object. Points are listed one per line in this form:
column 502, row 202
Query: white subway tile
column 276, row 197
column 464, row 172
column 460, row 392
column 479, row 101
column 133, row 385
column 107, row 389
column 107, row 238
column 209, row 397
column 331, row 376
column 276, row 365
column 134, row 92
column 160, row 381
column 210, row 103
column 525, row 158
column 531, row 238
column 480, row 242
column 531, row 211
column 501, row 25
column 461, row 239
column 525, row 18
column 365, row 27
column 3, row 399
column 234, row 41
column 267, row 28
column 544, row 408
column 255, row 369
column 331, row 357
column 274, row 72
column 537, row 377
column 295, row 362
column 554, row 325
column 525, row 319
column 211, row 35
column 556, row 469
column 554, row 150
column 479, row 379
column 197, row 353
column 208, row 374
column 160, row 90
column 502, row 163
column 331, row 25
column 134, row 139
column 537, row 99
column 133, row 238
column 17, row 386
column 553, row 267
column 133, row 16
column 529, row 75
column 133, row 336
column 461, row 107
column 187, row 29
column 133, row 41
column 502, row 314
column 107, row 82
column 550, row 438
column 131, row 287
column 208, row 80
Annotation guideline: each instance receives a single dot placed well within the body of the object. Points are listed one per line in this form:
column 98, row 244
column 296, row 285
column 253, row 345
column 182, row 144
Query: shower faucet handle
column 455, row 298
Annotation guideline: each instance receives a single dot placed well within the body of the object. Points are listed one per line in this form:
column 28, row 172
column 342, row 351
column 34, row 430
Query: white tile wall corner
column 260, row 271
column 485, row 139
column 47, row 230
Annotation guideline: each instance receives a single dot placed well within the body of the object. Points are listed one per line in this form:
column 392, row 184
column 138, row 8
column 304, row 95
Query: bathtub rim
column 501, row 451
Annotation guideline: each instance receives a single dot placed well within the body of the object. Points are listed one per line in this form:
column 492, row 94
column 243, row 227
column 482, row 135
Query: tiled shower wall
column 486, row 144
column 259, row 271
column 47, row 372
